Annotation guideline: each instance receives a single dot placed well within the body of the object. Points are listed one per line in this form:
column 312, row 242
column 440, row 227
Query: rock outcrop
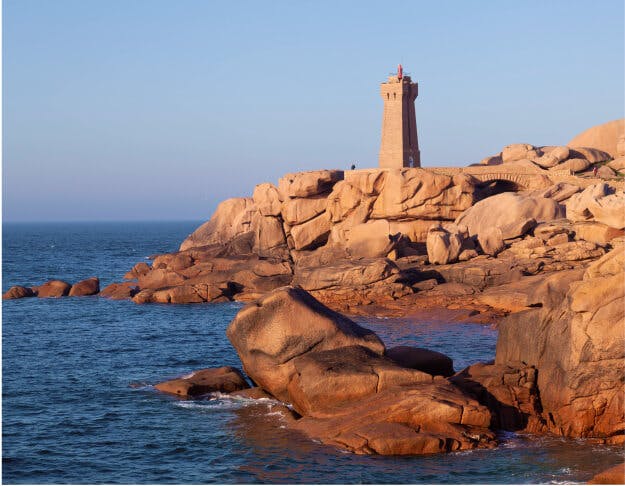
column 513, row 214
column 335, row 374
column 571, row 158
column 509, row 391
column 603, row 137
column 577, row 344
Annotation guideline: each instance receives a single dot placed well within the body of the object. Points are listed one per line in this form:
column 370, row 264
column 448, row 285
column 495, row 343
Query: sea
column 78, row 403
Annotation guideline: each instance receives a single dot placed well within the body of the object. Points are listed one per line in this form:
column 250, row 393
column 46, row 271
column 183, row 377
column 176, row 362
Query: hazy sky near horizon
column 154, row 109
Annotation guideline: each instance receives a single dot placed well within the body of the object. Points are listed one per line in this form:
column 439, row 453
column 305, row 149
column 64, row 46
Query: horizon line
column 51, row 221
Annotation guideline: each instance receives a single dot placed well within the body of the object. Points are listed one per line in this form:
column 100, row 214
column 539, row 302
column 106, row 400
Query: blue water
column 78, row 405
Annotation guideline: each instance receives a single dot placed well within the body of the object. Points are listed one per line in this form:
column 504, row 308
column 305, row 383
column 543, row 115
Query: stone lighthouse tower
column 399, row 146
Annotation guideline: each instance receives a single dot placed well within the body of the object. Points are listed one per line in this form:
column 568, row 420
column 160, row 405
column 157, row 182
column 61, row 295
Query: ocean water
column 78, row 404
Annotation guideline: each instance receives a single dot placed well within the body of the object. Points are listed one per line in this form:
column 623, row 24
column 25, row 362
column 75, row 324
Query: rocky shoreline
column 544, row 262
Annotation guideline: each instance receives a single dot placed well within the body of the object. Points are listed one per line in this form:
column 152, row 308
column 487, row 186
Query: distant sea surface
column 78, row 404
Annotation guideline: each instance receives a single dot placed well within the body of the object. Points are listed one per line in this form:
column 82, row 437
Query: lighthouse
column 399, row 146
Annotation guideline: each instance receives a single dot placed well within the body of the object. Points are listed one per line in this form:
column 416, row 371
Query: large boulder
column 119, row 291
column 422, row 194
column 267, row 199
column 225, row 379
column 592, row 155
column 605, row 172
column 513, row 213
column 285, row 324
column 553, row 157
column 90, row 286
column 307, row 184
column 311, row 234
column 299, row 210
column 574, row 165
column 596, row 232
column 491, row 240
column 558, row 192
column 617, row 164
column 444, row 243
column 518, row 151
column 370, row 240
column 53, row 289
column 345, row 274
column 603, row 137
column 269, row 236
column 18, row 292
column 368, row 182
column 598, row 203
column 344, row 200
column 231, row 218
column 577, row 345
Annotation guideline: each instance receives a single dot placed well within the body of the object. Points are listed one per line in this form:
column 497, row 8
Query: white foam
column 221, row 401
column 210, row 405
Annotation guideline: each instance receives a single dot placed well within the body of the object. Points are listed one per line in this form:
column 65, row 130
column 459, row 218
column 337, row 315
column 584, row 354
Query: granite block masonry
column 399, row 146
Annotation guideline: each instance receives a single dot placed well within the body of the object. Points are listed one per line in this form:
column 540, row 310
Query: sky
column 159, row 110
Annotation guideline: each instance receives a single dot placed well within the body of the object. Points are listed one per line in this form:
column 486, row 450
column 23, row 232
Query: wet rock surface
column 201, row 382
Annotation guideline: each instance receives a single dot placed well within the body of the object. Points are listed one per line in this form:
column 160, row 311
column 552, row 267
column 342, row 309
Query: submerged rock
column 225, row 379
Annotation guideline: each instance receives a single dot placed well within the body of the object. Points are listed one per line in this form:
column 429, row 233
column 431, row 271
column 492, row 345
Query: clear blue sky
column 118, row 109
